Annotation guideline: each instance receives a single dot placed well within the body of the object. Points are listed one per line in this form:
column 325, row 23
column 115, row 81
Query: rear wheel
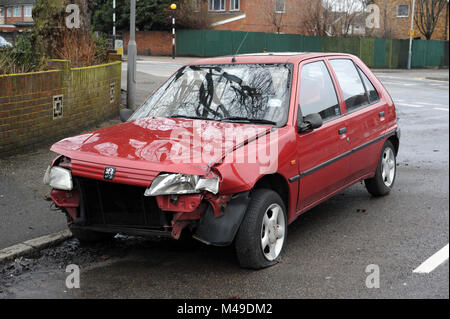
column 262, row 234
column 383, row 181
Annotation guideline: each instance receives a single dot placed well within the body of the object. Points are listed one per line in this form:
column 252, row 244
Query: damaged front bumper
column 119, row 208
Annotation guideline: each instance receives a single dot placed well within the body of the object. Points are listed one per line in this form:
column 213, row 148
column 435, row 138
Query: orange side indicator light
column 293, row 162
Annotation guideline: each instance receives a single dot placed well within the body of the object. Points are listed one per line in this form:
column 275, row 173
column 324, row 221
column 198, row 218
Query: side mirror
column 310, row 122
column 125, row 114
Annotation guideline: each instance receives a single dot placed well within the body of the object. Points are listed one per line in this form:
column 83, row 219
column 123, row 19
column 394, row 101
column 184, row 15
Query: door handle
column 342, row 130
column 381, row 114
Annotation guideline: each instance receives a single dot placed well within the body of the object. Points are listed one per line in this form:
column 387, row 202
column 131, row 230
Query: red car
column 231, row 150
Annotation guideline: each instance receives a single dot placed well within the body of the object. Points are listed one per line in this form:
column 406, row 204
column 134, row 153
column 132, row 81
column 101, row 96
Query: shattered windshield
column 257, row 93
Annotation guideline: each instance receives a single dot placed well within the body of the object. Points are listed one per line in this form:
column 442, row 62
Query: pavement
column 329, row 248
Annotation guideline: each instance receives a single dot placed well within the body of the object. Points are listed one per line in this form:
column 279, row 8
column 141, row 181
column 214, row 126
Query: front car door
column 321, row 171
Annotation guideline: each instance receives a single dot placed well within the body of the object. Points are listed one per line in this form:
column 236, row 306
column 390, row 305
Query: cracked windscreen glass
column 255, row 93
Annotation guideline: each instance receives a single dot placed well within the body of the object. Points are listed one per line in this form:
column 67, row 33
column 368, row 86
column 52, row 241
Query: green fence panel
column 330, row 44
column 366, row 48
column 388, row 53
column 379, row 53
column 217, row 43
column 344, row 45
column 419, row 52
column 284, row 42
column 435, row 52
column 254, row 42
column 374, row 52
column 444, row 61
column 399, row 58
column 312, row 44
column 190, row 43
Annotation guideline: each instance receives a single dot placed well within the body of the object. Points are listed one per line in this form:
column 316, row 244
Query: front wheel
column 263, row 231
column 383, row 181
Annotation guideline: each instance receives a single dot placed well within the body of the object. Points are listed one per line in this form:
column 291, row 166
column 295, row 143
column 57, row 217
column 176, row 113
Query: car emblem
column 109, row 173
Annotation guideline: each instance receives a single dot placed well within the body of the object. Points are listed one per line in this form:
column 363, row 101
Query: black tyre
column 86, row 236
column 383, row 181
column 262, row 234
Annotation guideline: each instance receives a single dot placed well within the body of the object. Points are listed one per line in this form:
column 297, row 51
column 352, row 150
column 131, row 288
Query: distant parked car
column 178, row 164
column 4, row 43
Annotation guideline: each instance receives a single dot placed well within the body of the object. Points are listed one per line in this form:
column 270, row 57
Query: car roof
column 267, row 57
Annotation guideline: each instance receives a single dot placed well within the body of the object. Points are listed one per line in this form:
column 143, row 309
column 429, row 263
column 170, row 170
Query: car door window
column 317, row 92
column 355, row 95
column 372, row 92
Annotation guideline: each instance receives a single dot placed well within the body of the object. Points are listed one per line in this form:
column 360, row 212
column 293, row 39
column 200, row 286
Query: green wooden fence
column 378, row 53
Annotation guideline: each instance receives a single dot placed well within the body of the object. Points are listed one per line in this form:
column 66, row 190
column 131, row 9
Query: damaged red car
column 231, row 150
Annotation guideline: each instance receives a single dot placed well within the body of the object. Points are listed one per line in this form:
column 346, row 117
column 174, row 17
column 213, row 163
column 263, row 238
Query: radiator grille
column 116, row 204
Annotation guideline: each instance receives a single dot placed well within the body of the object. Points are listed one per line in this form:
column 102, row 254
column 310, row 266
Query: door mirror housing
column 310, row 122
column 125, row 114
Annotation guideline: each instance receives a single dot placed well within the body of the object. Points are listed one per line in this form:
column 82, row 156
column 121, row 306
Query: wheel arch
column 395, row 142
column 277, row 183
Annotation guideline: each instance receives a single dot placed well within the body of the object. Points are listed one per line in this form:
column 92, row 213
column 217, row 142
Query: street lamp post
column 131, row 66
column 114, row 24
column 173, row 7
column 411, row 34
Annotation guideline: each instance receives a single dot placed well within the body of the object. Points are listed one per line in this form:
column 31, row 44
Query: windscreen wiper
column 191, row 117
column 245, row 119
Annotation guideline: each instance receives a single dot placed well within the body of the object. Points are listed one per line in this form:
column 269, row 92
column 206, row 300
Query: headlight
column 58, row 178
column 179, row 184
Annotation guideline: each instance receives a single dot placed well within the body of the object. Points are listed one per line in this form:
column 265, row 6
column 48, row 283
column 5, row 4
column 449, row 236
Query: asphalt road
column 328, row 248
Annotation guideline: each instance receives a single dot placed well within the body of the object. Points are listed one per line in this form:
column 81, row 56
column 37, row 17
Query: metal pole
column 114, row 24
column 131, row 66
column 173, row 34
column 411, row 34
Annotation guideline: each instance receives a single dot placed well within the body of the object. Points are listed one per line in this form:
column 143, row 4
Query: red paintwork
column 139, row 149
column 185, row 204
column 68, row 200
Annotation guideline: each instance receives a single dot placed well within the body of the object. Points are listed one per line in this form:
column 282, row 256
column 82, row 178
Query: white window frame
column 25, row 8
column 14, row 12
column 402, row 16
column 196, row 5
column 276, row 6
column 9, row 12
column 211, row 6
column 233, row 3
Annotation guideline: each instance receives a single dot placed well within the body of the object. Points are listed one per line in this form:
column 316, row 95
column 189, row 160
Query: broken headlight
column 58, row 178
column 179, row 184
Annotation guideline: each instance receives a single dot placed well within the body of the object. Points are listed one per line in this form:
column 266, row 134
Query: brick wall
column 26, row 103
column 151, row 42
column 259, row 17
column 395, row 27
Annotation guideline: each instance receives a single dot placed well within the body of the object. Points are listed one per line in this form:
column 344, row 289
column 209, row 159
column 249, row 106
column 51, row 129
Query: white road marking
column 410, row 105
column 440, row 109
column 432, row 104
column 433, row 262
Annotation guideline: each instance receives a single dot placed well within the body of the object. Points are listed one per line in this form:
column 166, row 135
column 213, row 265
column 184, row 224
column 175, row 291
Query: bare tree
column 193, row 14
column 343, row 16
column 274, row 16
column 316, row 18
column 332, row 17
column 427, row 15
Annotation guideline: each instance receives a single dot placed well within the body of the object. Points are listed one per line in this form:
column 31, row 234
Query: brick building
column 16, row 15
column 272, row 16
column 395, row 20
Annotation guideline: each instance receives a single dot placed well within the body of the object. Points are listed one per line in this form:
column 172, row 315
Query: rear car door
column 365, row 114
column 321, row 171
